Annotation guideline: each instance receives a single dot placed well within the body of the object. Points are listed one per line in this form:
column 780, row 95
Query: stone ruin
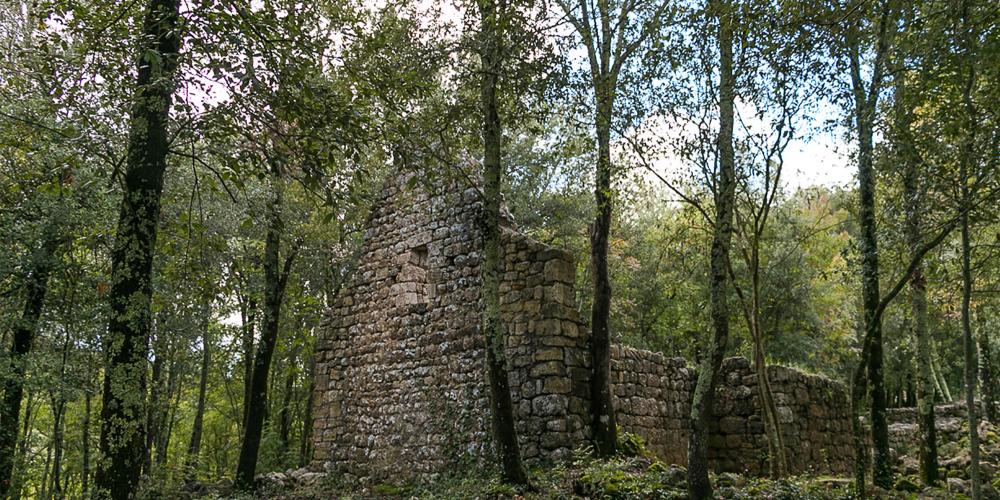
column 400, row 379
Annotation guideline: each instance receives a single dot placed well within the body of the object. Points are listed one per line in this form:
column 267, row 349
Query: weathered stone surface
column 400, row 376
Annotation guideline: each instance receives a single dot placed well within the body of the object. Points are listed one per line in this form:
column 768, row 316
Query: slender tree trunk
column 58, row 413
column 501, row 406
column 36, row 287
column 874, row 379
column 127, row 338
column 777, row 460
column 274, row 290
column 925, row 379
column 194, row 446
column 249, row 317
column 21, row 457
column 85, row 446
column 918, row 288
column 986, row 376
column 43, row 485
column 159, row 432
column 285, row 412
column 305, row 445
column 965, row 165
column 970, row 347
column 940, row 380
column 153, row 409
column 604, row 421
column 699, row 486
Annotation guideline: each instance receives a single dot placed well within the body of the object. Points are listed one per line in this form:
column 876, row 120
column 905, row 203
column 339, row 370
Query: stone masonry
column 400, row 380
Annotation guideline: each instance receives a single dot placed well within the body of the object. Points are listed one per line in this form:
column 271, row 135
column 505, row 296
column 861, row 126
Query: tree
column 275, row 281
column 913, row 197
column 122, row 429
column 699, row 485
column 501, row 406
column 36, row 286
column 613, row 37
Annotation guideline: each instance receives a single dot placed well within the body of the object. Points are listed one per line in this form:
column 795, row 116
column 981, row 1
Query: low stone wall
column 904, row 424
column 813, row 413
column 653, row 400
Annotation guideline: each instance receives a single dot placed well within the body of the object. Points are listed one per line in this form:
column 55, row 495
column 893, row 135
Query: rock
column 676, row 476
column 906, row 484
column 956, row 485
column 834, row 483
column 729, row 479
column 988, row 469
column 224, row 487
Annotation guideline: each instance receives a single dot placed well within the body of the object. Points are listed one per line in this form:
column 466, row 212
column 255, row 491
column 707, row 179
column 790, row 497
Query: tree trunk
column 176, row 388
column 194, row 446
column 501, row 406
column 305, row 445
column 274, row 290
column 986, row 376
column 940, row 380
column 777, row 460
column 153, row 409
column 159, row 432
column 36, row 286
column 603, row 418
column 58, row 412
column 127, row 337
column 30, row 415
column 249, row 316
column 874, row 380
column 285, row 412
column 967, row 157
column 970, row 346
column 918, row 289
column 44, row 483
column 699, row 486
column 85, row 470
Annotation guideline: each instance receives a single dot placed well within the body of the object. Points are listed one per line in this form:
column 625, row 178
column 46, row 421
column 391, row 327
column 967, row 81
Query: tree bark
column 970, row 347
column 699, row 486
column 285, row 412
column 153, row 408
column 85, row 470
column 36, row 287
column 275, row 279
column 865, row 105
column 918, row 288
column 501, row 406
column 986, row 376
column 604, row 421
column 305, row 445
column 777, row 460
column 249, row 315
column 58, row 413
column 194, row 446
column 966, row 159
column 942, row 383
column 127, row 338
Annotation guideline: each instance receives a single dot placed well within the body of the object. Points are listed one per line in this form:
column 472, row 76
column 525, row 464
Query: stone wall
column 400, row 379
column 813, row 411
column 653, row 400
column 904, row 424
column 400, row 371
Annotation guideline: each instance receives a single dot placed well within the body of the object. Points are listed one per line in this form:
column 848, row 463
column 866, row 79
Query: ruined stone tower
column 400, row 379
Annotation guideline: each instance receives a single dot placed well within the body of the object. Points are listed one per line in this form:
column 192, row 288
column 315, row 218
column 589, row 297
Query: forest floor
column 640, row 477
